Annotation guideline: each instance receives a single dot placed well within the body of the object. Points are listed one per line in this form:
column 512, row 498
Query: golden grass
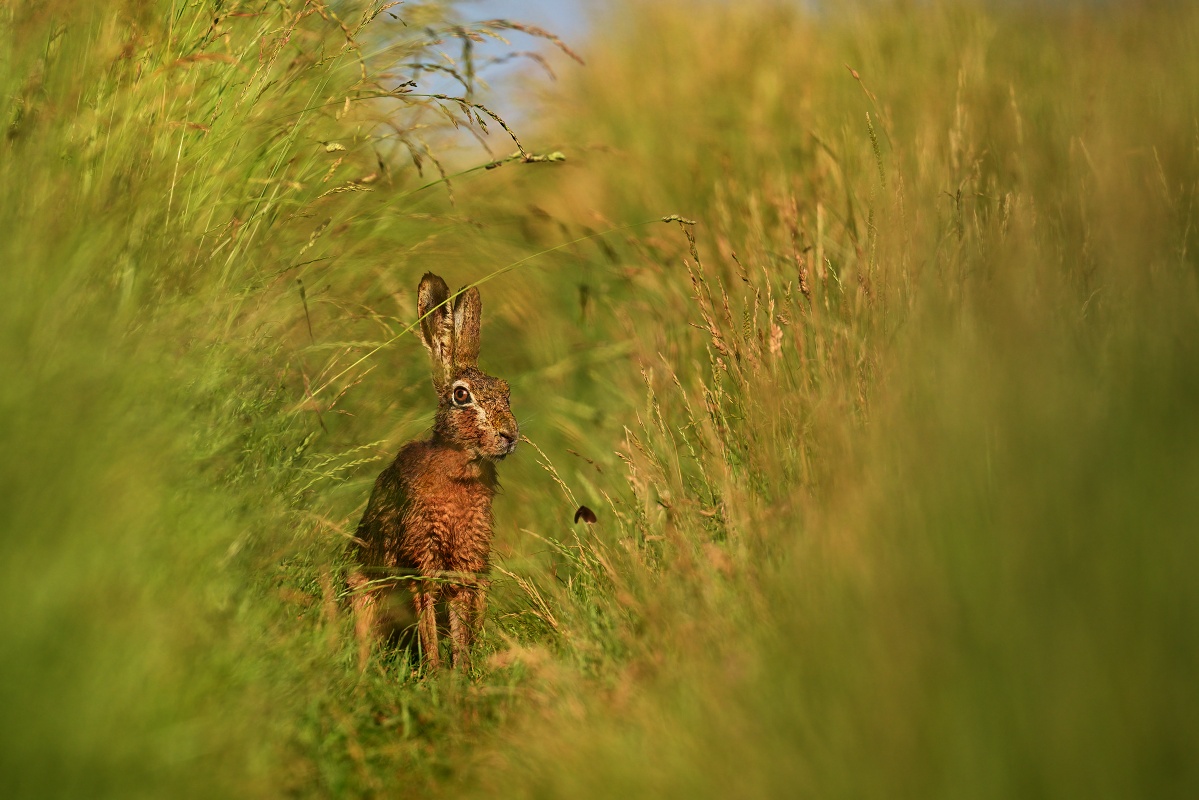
column 886, row 427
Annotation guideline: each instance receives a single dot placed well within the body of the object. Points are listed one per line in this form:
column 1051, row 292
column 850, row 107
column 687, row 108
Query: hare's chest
column 467, row 537
column 449, row 529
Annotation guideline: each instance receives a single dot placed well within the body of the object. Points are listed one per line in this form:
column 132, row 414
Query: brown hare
column 429, row 515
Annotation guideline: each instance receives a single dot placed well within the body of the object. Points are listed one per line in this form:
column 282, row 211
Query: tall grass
column 910, row 493
column 213, row 223
column 892, row 451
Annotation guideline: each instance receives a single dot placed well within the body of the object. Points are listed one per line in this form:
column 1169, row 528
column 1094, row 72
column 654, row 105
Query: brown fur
column 429, row 515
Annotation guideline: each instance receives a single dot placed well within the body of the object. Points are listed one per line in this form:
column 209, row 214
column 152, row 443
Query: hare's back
column 382, row 529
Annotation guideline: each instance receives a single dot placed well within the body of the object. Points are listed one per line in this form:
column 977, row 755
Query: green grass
column 893, row 452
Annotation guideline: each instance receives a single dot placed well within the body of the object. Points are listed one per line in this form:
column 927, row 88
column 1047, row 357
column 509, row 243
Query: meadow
column 870, row 335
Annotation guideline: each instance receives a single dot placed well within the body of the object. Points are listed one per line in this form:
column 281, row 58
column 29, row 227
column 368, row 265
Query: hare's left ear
column 436, row 327
column 468, row 321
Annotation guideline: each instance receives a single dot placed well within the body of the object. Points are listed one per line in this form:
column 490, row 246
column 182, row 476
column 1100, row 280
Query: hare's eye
column 461, row 395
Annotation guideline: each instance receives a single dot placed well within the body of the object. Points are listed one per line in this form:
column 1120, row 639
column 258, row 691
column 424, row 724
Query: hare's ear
column 468, row 320
column 436, row 326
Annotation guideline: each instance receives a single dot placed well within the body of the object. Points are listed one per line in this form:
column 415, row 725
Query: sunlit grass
column 892, row 451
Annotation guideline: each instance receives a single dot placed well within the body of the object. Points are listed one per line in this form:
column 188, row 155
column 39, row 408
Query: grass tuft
column 885, row 440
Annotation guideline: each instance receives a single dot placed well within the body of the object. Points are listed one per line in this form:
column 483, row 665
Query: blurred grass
column 912, row 494
column 893, row 453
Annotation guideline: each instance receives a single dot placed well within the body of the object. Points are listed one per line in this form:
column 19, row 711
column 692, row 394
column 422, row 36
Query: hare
column 429, row 516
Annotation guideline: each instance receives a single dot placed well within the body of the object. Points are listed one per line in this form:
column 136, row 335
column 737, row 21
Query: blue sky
column 566, row 18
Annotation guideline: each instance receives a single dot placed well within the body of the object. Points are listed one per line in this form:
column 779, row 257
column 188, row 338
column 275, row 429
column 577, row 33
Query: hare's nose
column 509, row 438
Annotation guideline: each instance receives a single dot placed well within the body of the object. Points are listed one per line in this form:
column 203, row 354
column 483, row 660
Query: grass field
column 890, row 433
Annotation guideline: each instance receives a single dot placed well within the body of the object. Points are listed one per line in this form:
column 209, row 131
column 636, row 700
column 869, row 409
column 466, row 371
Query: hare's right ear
column 468, row 319
column 437, row 326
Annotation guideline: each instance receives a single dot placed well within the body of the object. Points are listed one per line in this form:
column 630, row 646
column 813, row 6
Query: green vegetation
column 894, row 452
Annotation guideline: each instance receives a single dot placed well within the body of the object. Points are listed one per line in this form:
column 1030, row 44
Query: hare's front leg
column 478, row 599
column 462, row 605
column 426, row 623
